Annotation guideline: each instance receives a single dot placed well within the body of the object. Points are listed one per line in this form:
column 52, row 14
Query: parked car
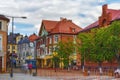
column 117, row 73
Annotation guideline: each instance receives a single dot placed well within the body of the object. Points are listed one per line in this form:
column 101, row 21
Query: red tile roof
column 2, row 17
column 33, row 37
column 63, row 26
column 115, row 16
column 49, row 24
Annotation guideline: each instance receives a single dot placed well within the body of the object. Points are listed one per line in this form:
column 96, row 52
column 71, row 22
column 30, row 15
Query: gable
column 43, row 31
column 108, row 16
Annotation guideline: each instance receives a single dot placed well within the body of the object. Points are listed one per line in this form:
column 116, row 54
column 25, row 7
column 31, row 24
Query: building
column 13, row 40
column 27, row 48
column 32, row 47
column 3, row 42
column 106, row 18
column 23, row 49
column 51, row 32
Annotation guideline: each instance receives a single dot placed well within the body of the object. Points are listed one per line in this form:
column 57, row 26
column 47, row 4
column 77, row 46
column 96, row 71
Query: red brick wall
column 105, row 18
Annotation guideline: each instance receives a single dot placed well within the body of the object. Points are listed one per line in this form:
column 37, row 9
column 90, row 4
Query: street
column 21, row 76
column 50, row 74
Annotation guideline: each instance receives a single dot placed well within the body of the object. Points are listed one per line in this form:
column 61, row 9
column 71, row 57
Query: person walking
column 26, row 67
column 30, row 67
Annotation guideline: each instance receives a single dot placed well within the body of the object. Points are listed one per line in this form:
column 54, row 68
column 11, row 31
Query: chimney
column 104, row 9
column 62, row 19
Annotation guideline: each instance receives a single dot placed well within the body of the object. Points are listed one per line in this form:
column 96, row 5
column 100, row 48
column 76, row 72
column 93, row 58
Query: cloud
column 114, row 6
column 81, row 12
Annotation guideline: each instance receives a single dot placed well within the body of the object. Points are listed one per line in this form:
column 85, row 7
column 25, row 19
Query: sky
column 81, row 12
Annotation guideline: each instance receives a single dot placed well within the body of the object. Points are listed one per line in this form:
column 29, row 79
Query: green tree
column 113, row 40
column 64, row 51
column 101, row 44
column 86, row 45
column 55, row 60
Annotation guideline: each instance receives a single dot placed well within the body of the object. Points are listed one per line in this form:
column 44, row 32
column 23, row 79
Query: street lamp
column 13, row 17
column 35, row 52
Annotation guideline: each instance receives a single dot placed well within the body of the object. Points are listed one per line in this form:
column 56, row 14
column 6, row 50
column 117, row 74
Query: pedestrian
column 69, row 66
column 101, row 72
column 26, row 67
column 88, row 72
column 14, row 63
column 30, row 67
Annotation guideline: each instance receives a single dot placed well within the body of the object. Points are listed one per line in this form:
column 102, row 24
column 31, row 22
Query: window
column 13, row 47
column 27, row 54
column 73, row 29
column 56, row 38
column 50, row 38
column 0, row 25
column 0, row 43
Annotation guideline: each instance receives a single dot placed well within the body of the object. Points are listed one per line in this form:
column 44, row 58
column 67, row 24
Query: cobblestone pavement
column 50, row 74
column 18, row 76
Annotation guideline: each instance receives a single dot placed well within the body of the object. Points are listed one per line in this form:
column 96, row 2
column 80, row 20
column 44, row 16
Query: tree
column 64, row 51
column 55, row 60
column 101, row 44
column 113, row 40
column 85, row 47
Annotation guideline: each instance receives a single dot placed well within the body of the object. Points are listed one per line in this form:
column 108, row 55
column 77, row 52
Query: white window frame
column 56, row 38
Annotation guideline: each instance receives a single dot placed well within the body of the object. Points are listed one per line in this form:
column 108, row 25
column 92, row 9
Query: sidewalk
column 71, row 75
column 50, row 74
column 18, row 76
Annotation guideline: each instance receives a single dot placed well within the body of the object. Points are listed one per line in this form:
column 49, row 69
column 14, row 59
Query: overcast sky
column 81, row 12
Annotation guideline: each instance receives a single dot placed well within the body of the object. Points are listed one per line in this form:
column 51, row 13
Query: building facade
column 32, row 47
column 13, row 42
column 52, row 32
column 106, row 18
column 27, row 48
column 3, row 42
column 23, row 49
column 12, row 46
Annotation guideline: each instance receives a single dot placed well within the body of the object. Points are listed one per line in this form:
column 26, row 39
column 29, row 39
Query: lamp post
column 35, row 48
column 13, row 17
